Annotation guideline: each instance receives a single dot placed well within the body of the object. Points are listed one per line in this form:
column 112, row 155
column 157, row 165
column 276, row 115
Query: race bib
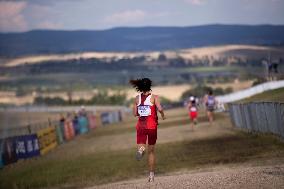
column 144, row 110
column 211, row 102
column 193, row 109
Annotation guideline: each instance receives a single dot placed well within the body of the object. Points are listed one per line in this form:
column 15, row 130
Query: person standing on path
column 145, row 106
column 210, row 103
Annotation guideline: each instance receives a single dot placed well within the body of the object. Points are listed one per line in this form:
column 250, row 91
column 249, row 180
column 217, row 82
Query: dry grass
column 107, row 154
column 100, row 168
column 215, row 51
column 171, row 92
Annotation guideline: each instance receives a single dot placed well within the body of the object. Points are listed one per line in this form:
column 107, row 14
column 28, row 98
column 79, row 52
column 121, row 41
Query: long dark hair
column 141, row 85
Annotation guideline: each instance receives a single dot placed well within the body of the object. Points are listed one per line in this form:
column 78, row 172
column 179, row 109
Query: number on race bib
column 144, row 110
column 193, row 109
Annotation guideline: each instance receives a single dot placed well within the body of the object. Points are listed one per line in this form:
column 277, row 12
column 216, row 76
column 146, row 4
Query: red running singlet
column 147, row 113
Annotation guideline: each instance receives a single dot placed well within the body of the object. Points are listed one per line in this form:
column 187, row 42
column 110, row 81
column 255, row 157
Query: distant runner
column 210, row 103
column 193, row 113
column 145, row 107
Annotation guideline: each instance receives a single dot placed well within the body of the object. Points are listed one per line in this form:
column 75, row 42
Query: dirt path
column 168, row 134
column 241, row 177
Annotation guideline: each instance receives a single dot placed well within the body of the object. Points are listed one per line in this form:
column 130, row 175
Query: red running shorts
column 143, row 134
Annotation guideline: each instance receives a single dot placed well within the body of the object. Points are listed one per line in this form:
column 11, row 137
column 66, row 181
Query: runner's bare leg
column 210, row 117
column 151, row 157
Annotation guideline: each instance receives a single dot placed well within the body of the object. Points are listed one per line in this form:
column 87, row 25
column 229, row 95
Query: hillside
column 214, row 52
column 137, row 39
column 276, row 95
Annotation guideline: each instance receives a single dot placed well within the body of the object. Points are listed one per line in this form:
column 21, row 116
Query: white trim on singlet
column 147, row 101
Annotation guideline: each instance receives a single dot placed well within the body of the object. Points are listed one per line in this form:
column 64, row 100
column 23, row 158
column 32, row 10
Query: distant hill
column 137, row 39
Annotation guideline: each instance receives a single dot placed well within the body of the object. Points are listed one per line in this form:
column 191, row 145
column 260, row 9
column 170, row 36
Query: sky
column 26, row 15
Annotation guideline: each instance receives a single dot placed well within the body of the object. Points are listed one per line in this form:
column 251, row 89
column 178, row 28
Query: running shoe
column 151, row 177
column 140, row 153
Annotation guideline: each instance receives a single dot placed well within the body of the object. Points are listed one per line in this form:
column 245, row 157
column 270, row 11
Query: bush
column 164, row 100
column 258, row 81
column 218, row 91
column 200, row 91
column 228, row 90
column 21, row 92
column 102, row 98
column 197, row 91
column 49, row 101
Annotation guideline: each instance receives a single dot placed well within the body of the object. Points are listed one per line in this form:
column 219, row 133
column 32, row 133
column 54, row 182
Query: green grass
column 276, row 95
column 210, row 69
column 102, row 79
column 100, row 168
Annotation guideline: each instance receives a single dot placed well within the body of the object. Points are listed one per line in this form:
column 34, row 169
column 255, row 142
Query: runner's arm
column 205, row 98
column 188, row 106
column 134, row 109
column 159, row 107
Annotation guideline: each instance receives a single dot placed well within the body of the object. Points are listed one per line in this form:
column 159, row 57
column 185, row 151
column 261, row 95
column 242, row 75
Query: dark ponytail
column 141, row 85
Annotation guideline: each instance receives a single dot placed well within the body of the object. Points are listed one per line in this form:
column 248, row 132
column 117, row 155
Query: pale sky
column 25, row 15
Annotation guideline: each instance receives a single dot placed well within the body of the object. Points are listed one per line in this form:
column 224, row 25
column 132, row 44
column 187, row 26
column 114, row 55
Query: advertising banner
column 116, row 117
column 76, row 125
column 92, row 121
column 99, row 119
column 111, row 117
column 9, row 151
column 119, row 116
column 1, row 161
column 69, row 131
column 27, row 146
column 1, row 154
column 105, row 118
column 59, row 134
column 47, row 139
column 83, row 124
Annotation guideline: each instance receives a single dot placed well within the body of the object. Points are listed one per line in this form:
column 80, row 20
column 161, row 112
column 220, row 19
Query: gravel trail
column 238, row 178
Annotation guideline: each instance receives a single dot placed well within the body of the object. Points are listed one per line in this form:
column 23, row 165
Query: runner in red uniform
column 193, row 113
column 145, row 107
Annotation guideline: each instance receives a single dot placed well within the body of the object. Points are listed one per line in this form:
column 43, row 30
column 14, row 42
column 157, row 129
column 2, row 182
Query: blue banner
column 83, row 124
column 1, row 162
column 1, row 154
column 27, row 146
column 105, row 118
column 76, row 125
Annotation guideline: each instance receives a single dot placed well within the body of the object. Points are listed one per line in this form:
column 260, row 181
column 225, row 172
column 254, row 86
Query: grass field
column 248, row 50
column 107, row 154
column 108, row 167
column 171, row 92
column 102, row 77
column 276, row 95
